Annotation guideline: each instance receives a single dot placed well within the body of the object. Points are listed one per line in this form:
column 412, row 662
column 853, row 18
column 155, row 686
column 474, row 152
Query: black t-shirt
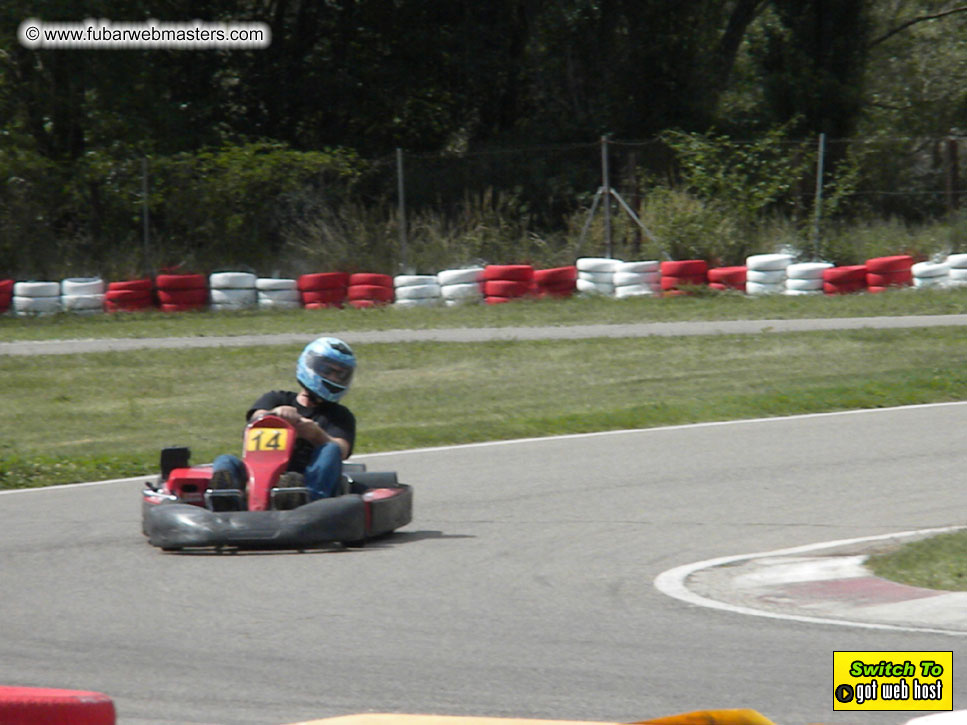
column 337, row 420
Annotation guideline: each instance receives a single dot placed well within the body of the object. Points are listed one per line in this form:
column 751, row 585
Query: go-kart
column 182, row 510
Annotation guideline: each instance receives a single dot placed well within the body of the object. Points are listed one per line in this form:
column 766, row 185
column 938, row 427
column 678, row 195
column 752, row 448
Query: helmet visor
column 330, row 370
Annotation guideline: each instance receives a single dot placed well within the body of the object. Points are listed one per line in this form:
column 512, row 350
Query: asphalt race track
column 524, row 585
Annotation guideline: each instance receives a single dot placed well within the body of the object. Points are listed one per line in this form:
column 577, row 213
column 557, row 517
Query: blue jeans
column 321, row 475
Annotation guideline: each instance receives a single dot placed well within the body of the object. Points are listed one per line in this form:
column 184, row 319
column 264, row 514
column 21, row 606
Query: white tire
column 635, row 278
column 933, row 282
column 930, row 269
column 594, row 288
column 418, row 291
column 75, row 303
column 232, row 280
column 807, row 270
column 82, row 286
column 414, row 280
column 267, row 303
column 35, row 305
column 651, row 265
column 958, row 274
column 271, row 284
column 279, row 295
column 458, row 292
column 36, row 289
column 417, row 302
column 766, row 277
column 465, row 301
column 233, row 297
column 768, row 262
column 633, row 290
column 800, row 292
column 762, row 288
column 459, row 276
column 804, row 285
column 957, row 261
column 597, row 277
column 597, row 264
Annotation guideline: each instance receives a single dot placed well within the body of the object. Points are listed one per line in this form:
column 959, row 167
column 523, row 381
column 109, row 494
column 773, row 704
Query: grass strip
column 939, row 562
column 99, row 415
column 579, row 310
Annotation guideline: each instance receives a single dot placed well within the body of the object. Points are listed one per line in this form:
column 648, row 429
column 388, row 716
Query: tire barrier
column 232, row 290
column 958, row 270
column 6, row 294
column 677, row 276
column 82, row 295
column 181, row 292
column 35, row 298
column 129, row 295
column 805, row 278
column 321, row 290
column 930, row 274
column 727, row 278
column 596, row 275
column 278, row 294
column 555, row 282
column 369, row 289
column 637, row 279
column 844, row 280
column 883, row 273
column 416, row 290
column 38, row 706
column 766, row 273
column 506, row 282
column 460, row 286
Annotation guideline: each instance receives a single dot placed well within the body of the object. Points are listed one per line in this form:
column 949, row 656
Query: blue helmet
column 326, row 368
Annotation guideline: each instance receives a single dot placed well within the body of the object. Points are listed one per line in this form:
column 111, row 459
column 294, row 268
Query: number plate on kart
column 266, row 439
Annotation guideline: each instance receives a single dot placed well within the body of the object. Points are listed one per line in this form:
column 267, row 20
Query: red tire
column 127, row 300
column 850, row 273
column 322, row 280
column 192, row 297
column 323, row 305
column 183, row 307
column 131, row 285
column 181, row 281
column 555, row 276
column 366, row 304
column 324, row 296
column 843, row 288
column 684, row 268
column 668, row 283
column 375, row 293
column 35, row 705
column 505, row 288
column 498, row 300
column 370, row 279
column 884, row 265
column 728, row 276
column 510, row 272
column 555, row 292
column 902, row 278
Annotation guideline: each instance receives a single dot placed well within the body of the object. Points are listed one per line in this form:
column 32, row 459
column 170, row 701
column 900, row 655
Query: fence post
column 606, row 195
column 401, row 200
column 818, row 203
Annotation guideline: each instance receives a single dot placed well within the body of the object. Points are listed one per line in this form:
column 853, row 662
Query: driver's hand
column 288, row 413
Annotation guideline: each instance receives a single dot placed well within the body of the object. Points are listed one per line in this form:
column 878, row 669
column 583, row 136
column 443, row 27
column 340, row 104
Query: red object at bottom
column 42, row 706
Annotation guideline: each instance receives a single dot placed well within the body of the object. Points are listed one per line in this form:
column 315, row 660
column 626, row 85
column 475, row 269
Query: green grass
column 711, row 306
column 939, row 562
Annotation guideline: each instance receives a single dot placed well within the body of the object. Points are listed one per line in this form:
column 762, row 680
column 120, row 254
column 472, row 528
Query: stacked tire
column 232, row 291
column 461, row 286
column 506, row 282
column 277, row 294
column 958, row 270
column 637, row 279
column 844, row 280
column 82, row 295
column 558, row 282
column 766, row 273
column 596, row 275
column 35, row 298
column 6, row 294
column 181, row 292
column 883, row 273
column 930, row 275
column 678, row 276
column 805, row 278
column 727, row 278
column 129, row 295
column 323, row 290
column 416, row 290
column 369, row 289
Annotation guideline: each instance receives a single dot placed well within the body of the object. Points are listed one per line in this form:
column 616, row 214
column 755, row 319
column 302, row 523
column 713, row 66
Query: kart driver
column 326, row 429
